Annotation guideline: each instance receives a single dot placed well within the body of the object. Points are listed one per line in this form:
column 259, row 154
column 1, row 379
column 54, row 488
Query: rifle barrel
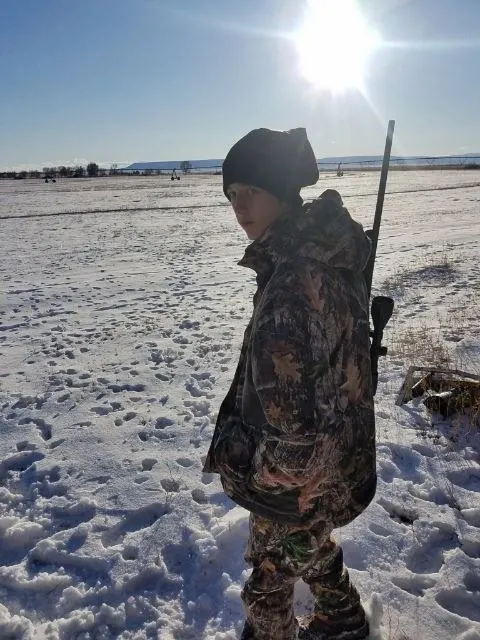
column 379, row 207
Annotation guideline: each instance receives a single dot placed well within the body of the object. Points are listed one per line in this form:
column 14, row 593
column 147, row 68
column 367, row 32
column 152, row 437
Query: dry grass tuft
column 420, row 346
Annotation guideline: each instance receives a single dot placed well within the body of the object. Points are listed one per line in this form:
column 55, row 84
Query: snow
column 119, row 334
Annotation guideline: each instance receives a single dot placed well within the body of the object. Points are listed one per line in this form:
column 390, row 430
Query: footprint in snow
column 44, row 428
column 20, row 461
column 428, row 556
column 463, row 603
column 46, row 482
column 468, row 479
column 199, row 496
column 189, row 324
column 25, row 445
column 170, row 485
column 163, row 422
column 184, row 462
column 472, row 581
column 407, row 461
column 71, row 515
column 24, row 401
column 56, row 443
column 130, row 552
column 399, row 513
column 118, row 388
column 135, row 520
column 148, row 464
column 416, row 585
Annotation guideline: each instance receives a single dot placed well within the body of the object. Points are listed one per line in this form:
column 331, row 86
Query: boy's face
column 254, row 208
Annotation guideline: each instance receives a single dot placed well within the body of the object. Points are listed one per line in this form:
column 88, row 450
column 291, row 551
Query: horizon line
column 122, row 166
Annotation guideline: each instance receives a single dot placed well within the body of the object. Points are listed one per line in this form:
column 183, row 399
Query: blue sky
column 135, row 80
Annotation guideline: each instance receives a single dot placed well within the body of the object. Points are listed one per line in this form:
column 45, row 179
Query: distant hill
column 325, row 164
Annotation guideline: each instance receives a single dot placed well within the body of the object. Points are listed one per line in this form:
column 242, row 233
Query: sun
column 334, row 45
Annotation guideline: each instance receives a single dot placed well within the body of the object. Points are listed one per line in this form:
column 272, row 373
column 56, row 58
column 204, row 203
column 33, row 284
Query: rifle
column 382, row 306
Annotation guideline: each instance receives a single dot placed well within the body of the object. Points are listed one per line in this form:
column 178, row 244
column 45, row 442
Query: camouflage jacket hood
column 295, row 435
column 322, row 230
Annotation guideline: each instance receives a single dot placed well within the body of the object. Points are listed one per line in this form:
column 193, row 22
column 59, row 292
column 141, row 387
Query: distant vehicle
column 51, row 178
column 174, row 175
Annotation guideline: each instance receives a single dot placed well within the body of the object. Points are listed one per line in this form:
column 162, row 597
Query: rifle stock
column 382, row 310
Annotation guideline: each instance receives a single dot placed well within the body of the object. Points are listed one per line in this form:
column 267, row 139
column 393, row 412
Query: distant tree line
column 92, row 170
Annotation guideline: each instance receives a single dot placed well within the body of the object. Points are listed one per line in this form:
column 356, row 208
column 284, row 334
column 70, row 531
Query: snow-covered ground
column 119, row 334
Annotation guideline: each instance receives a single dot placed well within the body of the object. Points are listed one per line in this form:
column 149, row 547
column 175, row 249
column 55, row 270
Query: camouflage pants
column 281, row 555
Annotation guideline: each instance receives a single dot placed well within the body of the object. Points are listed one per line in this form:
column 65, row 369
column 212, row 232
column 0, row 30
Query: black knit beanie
column 281, row 162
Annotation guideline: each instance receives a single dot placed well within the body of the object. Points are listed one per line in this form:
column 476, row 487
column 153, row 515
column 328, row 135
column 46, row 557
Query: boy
column 295, row 436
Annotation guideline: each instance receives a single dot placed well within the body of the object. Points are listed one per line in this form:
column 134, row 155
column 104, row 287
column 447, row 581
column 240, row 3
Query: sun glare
column 334, row 45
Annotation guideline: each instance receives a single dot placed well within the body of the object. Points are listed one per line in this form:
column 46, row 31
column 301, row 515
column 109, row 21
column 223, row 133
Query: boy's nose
column 241, row 203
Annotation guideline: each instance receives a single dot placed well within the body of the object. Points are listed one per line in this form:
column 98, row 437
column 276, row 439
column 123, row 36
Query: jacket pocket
column 234, row 449
column 281, row 460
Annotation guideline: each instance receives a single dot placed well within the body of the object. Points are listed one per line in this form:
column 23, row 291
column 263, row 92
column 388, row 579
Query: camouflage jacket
column 295, row 436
